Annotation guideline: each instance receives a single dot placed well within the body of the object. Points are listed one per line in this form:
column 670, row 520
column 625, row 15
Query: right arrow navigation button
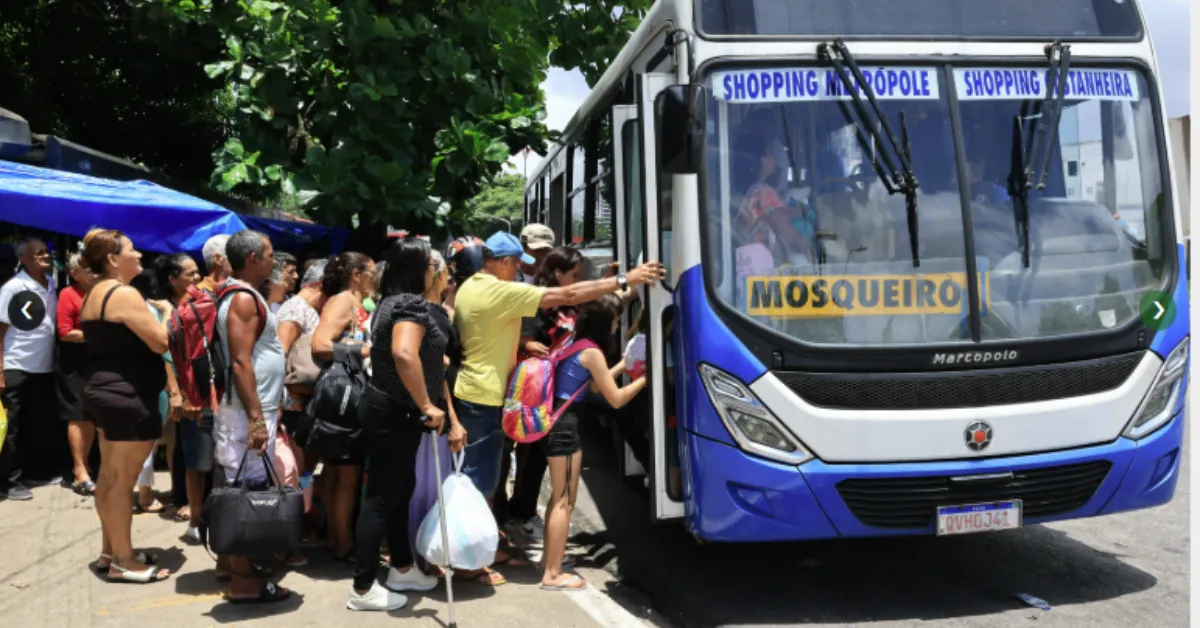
column 1157, row 310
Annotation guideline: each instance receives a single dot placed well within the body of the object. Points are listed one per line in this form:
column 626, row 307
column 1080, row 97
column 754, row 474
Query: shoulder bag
column 244, row 521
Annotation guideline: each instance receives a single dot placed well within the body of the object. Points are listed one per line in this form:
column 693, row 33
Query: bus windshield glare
column 809, row 243
column 1026, row 19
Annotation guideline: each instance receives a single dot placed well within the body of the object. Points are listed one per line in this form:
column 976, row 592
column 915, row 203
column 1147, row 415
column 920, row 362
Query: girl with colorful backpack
column 595, row 329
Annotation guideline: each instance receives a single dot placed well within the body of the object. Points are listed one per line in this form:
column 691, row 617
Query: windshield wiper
column 1027, row 173
column 895, row 180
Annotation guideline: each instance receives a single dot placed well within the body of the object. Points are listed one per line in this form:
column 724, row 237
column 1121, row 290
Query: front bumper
column 733, row 497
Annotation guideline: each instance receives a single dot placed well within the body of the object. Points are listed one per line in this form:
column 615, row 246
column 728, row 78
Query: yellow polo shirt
column 487, row 315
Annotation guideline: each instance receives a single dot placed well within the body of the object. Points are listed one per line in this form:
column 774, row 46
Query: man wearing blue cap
column 487, row 314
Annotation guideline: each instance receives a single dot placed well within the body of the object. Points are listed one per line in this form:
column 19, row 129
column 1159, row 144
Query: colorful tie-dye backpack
column 529, row 406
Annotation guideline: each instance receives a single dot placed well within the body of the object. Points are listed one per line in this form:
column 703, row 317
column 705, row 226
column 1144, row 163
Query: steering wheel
column 857, row 181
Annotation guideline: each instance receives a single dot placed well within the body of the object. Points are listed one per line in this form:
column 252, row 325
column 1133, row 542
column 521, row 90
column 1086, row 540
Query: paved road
column 1124, row 570
column 46, row 545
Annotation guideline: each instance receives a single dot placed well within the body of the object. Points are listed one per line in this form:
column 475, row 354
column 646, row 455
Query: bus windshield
column 809, row 242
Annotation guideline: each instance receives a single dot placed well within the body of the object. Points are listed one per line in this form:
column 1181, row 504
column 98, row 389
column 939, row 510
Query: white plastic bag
column 470, row 525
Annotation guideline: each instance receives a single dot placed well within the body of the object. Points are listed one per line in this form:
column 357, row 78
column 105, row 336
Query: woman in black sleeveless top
column 125, row 343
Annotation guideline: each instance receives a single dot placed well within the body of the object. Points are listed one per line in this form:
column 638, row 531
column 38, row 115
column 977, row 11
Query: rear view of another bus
column 935, row 283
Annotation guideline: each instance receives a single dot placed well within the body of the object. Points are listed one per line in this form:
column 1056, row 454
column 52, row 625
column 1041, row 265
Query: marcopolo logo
column 834, row 296
column 974, row 357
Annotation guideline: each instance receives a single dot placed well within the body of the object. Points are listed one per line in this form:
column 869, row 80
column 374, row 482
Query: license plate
column 973, row 518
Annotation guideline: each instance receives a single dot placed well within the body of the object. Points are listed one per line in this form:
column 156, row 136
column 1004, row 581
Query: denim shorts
column 197, row 440
column 485, row 444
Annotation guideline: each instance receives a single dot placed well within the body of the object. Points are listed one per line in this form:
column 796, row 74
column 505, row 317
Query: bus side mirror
column 679, row 116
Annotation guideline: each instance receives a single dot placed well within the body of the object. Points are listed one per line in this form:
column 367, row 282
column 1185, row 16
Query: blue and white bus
column 901, row 295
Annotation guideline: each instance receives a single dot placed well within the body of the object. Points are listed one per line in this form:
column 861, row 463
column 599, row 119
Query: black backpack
column 334, row 431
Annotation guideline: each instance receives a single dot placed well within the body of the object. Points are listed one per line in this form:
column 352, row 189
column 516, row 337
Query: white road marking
column 604, row 610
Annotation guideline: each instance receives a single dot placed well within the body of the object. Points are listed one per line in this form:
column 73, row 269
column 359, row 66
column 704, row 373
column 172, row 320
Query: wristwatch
column 622, row 282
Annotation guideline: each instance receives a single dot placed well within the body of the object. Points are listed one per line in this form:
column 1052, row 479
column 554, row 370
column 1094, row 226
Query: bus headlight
column 1162, row 401
column 751, row 424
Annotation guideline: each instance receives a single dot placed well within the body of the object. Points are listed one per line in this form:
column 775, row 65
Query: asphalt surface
column 1123, row 570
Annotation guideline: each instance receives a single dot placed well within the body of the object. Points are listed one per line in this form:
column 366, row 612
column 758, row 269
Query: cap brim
column 538, row 246
column 528, row 259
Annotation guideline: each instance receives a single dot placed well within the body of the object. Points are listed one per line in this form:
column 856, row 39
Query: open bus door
column 657, row 299
column 628, row 214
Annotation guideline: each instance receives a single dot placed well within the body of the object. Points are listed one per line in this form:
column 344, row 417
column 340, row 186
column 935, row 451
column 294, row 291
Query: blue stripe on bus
column 1166, row 340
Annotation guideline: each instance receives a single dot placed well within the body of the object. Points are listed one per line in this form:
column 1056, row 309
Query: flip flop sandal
column 258, row 570
column 145, row 558
column 87, row 489
column 139, row 509
column 513, row 560
column 182, row 518
column 270, row 593
column 485, row 579
column 566, row 586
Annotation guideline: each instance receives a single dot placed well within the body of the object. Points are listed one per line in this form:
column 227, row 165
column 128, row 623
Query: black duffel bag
column 241, row 520
column 334, row 431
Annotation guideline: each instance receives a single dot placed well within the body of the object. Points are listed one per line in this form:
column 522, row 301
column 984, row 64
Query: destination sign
column 817, row 84
column 836, row 296
column 1030, row 83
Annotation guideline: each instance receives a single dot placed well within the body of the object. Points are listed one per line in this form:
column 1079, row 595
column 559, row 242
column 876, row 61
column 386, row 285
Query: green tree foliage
column 99, row 73
column 589, row 35
column 504, row 198
column 370, row 108
column 376, row 106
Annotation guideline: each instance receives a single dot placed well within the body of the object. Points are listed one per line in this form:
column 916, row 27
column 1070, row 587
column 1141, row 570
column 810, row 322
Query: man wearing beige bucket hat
column 537, row 239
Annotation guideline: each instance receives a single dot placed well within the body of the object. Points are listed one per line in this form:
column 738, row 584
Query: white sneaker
column 411, row 580
column 192, row 534
column 377, row 599
column 535, row 528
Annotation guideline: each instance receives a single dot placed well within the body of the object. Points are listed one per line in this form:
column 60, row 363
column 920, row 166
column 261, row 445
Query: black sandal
column 270, row 593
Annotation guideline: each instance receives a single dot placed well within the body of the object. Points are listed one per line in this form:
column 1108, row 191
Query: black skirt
column 71, row 375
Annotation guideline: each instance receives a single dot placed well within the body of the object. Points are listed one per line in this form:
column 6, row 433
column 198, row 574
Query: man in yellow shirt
column 487, row 314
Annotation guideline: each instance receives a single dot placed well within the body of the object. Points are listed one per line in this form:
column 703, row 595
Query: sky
column 1169, row 30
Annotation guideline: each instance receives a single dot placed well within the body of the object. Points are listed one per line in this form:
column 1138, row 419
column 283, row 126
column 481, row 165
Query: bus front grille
column 964, row 389
column 912, row 502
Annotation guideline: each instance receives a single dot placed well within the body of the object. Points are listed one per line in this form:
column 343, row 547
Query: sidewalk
column 48, row 544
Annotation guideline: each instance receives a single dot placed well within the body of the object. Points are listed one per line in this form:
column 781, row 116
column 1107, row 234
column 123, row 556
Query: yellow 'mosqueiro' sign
column 836, row 296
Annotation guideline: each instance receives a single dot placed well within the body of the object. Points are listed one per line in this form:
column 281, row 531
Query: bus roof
column 612, row 79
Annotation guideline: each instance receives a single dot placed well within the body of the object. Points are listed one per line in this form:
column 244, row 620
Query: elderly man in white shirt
column 28, row 303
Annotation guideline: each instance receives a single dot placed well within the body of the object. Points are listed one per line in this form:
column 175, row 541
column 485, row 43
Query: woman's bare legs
column 564, row 482
column 81, row 435
column 102, row 491
column 119, row 473
column 195, row 493
column 343, row 493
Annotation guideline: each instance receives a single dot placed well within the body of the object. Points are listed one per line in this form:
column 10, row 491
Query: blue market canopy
column 298, row 237
column 155, row 218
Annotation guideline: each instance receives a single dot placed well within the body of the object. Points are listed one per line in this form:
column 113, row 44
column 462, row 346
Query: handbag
column 301, row 371
column 241, row 521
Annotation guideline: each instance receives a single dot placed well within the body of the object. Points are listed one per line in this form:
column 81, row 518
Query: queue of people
column 439, row 338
